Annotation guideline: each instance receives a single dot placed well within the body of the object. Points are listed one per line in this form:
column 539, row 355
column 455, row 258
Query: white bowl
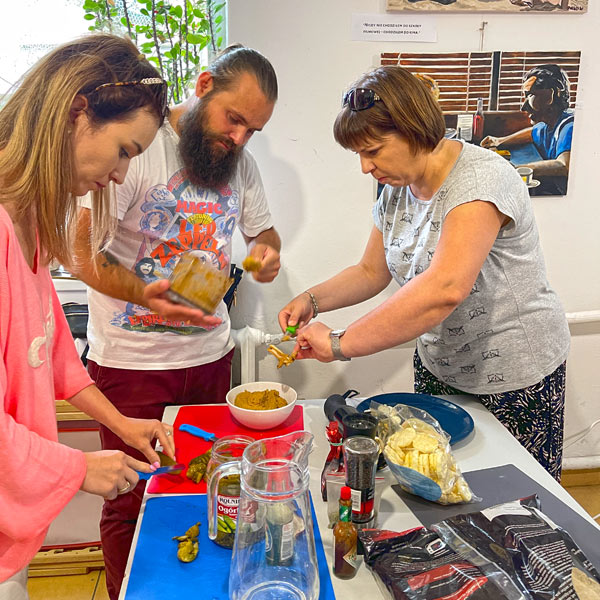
column 262, row 419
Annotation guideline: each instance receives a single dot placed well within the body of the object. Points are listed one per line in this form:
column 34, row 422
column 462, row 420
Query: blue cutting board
column 157, row 573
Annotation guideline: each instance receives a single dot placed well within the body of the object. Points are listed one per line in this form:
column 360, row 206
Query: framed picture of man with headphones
column 567, row 6
column 519, row 104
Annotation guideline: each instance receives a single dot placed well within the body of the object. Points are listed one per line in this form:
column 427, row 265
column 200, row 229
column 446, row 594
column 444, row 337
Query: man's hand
column 154, row 298
column 270, row 261
column 490, row 142
column 265, row 248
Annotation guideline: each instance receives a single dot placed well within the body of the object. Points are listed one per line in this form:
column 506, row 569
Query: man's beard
column 206, row 162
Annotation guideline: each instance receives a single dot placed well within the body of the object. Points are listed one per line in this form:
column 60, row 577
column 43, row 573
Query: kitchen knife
column 193, row 430
column 172, row 469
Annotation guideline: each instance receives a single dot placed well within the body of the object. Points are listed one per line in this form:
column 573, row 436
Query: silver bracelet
column 313, row 301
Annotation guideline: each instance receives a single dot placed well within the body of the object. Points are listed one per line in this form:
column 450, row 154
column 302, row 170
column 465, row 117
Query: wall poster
column 567, row 6
column 519, row 104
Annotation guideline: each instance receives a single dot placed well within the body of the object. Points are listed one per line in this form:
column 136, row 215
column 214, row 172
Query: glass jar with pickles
column 223, row 487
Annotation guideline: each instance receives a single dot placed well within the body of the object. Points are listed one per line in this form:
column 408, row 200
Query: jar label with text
column 350, row 558
column 363, row 504
column 227, row 509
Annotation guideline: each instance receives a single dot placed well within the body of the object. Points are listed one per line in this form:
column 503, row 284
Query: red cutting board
column 217, row 419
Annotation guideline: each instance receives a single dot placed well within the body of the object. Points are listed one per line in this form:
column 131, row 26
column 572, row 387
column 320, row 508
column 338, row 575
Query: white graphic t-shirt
column 161, row 215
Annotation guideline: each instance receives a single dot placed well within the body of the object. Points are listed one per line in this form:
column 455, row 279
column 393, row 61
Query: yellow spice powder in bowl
column 256, row 398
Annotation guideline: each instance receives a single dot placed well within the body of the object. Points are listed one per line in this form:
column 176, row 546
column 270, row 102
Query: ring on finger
column 168, row 432
column 124, row 488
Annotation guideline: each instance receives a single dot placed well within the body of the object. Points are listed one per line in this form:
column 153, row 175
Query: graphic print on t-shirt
column 33, row 354
column 178, row 218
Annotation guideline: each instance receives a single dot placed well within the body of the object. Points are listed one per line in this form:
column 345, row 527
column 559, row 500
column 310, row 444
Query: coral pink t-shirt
column 40, row 364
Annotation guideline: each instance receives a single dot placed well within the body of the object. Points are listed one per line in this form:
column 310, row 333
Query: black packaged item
column 77, row 318
column 418, row 565
column 539, row 556
column 236, row 275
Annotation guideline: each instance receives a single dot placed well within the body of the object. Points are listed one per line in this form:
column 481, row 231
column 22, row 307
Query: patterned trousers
column 534, row 415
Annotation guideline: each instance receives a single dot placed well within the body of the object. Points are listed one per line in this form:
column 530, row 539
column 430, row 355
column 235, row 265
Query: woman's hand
column 154, row 298
column 111, row 472
column 313, row 341
column 297, row 312
column 141, row 434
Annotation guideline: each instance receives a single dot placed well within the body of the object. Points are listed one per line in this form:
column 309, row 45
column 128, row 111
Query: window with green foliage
column 179, row 36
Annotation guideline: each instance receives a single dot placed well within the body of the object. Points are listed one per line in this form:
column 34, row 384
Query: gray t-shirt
column 511, row 331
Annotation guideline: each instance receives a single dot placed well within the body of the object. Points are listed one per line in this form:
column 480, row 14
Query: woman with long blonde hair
column 69, row 127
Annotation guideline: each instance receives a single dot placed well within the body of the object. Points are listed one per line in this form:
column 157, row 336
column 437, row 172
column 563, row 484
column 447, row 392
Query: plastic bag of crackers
column 417, row 450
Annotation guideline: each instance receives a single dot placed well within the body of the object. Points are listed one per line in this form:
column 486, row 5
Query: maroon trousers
column 144, row 395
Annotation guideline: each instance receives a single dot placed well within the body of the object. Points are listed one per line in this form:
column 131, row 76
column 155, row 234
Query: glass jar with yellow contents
column 196, row 283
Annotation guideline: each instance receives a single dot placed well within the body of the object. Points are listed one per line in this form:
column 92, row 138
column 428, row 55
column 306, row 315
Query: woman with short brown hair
column 454, row 227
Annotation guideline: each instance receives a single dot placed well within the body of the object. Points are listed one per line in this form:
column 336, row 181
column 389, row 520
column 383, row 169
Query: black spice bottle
column 360, row 457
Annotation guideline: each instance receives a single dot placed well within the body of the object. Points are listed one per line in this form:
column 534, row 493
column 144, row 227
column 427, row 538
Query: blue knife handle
column 176, row 468
column 193, row 430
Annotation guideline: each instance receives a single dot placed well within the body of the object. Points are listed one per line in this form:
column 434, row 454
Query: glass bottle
column 344, row 537
column 478, row 121
column 360, row 457
column 279, row 534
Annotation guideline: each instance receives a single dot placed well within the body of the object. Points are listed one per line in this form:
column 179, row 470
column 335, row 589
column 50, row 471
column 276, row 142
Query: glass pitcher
column 223, row 488
column 274, row 556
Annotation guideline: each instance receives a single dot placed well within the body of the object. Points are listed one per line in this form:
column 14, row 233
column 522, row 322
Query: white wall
column 321, row 202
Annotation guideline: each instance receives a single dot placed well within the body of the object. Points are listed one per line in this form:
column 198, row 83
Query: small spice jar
column 360, row 459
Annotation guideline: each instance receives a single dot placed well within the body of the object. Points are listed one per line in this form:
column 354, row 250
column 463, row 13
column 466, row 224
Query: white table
column 489, row 445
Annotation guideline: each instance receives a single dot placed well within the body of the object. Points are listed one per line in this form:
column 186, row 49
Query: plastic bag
column 334, row 482
column 540, row 557
column 417, row 450
column 418, row 565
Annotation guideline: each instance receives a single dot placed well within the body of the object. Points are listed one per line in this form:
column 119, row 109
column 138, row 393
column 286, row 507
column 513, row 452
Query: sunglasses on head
column 145, row 81
column 360, row 99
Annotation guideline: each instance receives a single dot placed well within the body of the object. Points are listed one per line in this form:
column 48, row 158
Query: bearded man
column 188, row 192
